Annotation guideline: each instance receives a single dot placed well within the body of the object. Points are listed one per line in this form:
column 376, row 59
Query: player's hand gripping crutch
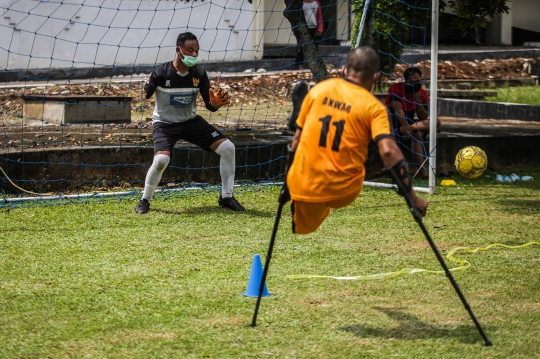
column 401, row 177
column 284, row 197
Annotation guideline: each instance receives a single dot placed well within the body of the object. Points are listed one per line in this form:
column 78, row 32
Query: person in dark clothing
column 176, row 85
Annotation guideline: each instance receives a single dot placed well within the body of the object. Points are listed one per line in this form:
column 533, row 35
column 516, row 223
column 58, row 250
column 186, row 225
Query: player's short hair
column 363, row 61
column 183, row 37
column 407, row 74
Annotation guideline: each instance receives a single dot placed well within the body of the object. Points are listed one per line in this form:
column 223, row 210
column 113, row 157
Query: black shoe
column 299, row 92
column 231, row 203
column 142, row 207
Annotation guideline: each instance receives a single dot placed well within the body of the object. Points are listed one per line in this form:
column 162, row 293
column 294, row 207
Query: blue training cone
column 255, row 277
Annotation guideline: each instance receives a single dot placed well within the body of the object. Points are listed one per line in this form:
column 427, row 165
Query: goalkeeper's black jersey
column 176, row 94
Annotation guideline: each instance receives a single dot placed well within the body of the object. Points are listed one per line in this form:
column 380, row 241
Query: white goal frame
column 434, row 48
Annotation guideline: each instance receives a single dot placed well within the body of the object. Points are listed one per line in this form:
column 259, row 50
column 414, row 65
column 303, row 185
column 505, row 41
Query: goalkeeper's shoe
column 299, row 92
column 143, row 206
column 231, row 203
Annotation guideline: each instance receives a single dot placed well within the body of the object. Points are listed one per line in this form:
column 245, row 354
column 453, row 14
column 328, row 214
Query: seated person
column 404, row 100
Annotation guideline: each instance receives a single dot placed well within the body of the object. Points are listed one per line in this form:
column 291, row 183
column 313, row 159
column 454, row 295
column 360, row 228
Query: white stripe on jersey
column 175, row 105
column 178, row 90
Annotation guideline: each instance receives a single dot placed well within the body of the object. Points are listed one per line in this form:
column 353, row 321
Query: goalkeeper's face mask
column 189, row 61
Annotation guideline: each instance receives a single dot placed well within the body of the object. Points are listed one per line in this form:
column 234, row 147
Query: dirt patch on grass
column 224, row 320
column 143, row 335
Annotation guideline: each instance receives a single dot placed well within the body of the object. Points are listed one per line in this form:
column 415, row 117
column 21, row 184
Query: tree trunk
column 294, row 13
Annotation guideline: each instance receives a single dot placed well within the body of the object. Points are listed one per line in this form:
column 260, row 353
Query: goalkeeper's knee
column 160, row 162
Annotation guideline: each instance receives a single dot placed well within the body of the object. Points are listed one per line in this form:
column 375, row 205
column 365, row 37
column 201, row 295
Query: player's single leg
column 227, row 165
column 159, row 164
column 308, row 216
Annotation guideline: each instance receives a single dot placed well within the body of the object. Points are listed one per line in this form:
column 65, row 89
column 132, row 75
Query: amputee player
column 337, row 120
column 176, row 85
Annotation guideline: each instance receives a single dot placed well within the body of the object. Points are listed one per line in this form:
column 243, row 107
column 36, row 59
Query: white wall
column 526, row 14
column 87, row 33
column 277, row 27
column 342, row 25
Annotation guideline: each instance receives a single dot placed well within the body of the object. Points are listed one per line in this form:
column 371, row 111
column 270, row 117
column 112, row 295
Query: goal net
column 74, row 118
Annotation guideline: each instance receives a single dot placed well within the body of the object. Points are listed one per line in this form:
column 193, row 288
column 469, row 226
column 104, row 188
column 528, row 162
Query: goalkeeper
column 176, row 84
column 336, row 122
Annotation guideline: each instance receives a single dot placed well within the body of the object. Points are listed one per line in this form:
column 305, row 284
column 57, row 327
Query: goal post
column 433, row 96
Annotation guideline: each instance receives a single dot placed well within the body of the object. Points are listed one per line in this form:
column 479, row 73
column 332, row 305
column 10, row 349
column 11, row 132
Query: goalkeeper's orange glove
column 220, row 98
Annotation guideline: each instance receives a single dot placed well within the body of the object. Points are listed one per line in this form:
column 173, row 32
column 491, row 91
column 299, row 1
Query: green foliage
column 396, row 25
column 529, row 95
column 473, row 13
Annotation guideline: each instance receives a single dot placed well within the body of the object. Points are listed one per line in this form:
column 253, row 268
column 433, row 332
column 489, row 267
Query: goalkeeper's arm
column 394, row 162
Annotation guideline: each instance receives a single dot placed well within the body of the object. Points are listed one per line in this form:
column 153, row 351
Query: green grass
column 98, row 281
column 529, row 95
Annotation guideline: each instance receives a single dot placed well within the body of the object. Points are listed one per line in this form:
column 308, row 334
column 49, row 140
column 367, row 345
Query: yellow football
column 471, row 162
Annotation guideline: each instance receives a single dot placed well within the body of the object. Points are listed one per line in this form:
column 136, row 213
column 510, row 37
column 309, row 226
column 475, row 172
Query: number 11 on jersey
column 340, row 126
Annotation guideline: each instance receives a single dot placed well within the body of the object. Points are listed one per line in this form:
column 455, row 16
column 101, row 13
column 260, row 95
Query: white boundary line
column 113, row 194
column 124, row 193
column 388, row 185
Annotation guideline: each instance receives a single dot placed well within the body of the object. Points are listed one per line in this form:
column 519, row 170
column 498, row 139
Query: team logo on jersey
column 182, row 100
column 196, row 82
column 215, row 134
column 168, row 83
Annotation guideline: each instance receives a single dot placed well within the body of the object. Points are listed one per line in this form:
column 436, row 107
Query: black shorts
column 197, row 131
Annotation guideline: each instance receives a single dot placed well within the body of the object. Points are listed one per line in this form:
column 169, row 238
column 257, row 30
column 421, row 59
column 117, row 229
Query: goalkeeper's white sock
column 154, row 175
column 226, row 167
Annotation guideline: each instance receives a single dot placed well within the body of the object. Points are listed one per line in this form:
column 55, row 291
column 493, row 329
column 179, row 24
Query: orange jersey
column 338, row 119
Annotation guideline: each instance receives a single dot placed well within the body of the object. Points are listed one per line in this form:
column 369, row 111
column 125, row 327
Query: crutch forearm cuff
column 401, row 177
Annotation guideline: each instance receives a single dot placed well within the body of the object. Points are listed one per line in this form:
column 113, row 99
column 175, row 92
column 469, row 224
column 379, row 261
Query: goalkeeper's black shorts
column 197, row 131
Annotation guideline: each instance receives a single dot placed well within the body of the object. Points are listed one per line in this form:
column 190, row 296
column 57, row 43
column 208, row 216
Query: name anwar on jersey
column 336, row 104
